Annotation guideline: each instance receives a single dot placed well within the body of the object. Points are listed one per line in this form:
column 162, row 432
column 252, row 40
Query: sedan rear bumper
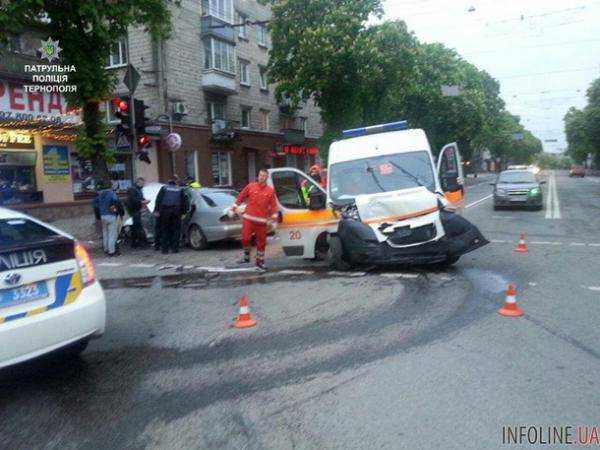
column 29, row 337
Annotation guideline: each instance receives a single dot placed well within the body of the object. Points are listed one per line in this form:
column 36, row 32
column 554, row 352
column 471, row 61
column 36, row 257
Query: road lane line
column 594, row 288
column 297, row 272
column 498, row 241
column 578, row 244
column 594, row 245
column 109, row 264
column 400, row 275
column 142, row 266
column 549, row 198
column 347, row 274
column 556, row 208
column 545, row 243
column 479, row 201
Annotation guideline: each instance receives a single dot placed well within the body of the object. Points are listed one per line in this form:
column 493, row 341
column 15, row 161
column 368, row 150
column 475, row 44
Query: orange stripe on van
column 309, row 219
column 404, row 217
column 453, row 197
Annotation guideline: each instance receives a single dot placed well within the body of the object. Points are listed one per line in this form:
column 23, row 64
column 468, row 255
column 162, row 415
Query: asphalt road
column 367, row 359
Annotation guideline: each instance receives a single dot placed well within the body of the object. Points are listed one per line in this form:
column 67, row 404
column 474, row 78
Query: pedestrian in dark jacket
column 135, row 204
column 171, row 205
column 108, row 206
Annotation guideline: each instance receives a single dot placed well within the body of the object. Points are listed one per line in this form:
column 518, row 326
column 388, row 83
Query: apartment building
column 208, row 83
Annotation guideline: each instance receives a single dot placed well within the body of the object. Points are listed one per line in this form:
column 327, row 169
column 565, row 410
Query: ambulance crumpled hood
column 391, row 207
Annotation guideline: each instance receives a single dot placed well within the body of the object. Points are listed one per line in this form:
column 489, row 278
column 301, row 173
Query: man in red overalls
column 261, row 209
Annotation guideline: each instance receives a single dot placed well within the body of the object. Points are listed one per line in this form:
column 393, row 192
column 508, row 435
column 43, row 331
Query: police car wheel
column 196, row 238
column 335, row 255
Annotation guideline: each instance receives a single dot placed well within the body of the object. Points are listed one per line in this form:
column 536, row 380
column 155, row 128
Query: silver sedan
column 209, row 222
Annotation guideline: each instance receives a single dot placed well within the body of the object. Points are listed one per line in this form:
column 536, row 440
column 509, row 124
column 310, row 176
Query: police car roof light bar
column 374, row 129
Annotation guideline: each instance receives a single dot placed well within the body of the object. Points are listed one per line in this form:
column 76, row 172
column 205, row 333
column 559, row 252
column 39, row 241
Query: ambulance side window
column 288, row 187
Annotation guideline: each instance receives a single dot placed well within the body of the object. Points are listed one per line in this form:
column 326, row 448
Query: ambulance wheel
column 335, row 255
column 196, row 238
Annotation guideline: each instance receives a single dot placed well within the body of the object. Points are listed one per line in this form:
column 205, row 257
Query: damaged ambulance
column 385, row 204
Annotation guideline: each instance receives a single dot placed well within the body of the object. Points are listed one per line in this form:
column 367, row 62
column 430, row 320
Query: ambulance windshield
column 383, row 173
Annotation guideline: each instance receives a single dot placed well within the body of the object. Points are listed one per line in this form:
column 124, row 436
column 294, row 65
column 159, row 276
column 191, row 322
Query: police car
column 49, row 295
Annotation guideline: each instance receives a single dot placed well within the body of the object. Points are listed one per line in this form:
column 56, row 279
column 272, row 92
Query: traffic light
column 141, row 121
column 121, row 105
column 143, row 142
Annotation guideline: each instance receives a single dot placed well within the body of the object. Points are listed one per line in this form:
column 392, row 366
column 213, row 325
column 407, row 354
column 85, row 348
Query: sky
column 544, row 53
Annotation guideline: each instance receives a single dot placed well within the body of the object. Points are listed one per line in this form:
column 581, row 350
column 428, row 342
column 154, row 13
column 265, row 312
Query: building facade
column 208, row 83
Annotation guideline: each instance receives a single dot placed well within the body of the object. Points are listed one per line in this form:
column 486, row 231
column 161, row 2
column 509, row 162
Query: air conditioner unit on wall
column 179, row 108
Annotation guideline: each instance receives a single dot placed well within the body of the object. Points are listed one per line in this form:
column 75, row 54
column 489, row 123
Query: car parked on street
column 209, row 222
column 49, row 296
column 577, row 171
column 518, row 188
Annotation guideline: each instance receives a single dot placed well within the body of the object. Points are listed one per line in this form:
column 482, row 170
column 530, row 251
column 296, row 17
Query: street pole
column 133, row 130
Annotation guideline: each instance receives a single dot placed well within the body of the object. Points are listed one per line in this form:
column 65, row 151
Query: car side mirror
column 543, row 182
column 492, row 184
column 317, row 201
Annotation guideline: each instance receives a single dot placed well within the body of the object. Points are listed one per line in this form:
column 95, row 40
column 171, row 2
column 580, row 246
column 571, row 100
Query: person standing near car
column 261, row 209
column 188, row 187
column 135, row 204
column 170, row 206
column 108, row 207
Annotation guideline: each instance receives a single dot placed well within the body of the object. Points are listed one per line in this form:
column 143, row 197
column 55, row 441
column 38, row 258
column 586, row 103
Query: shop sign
column 15, row 139
column 56, row 163
column 300, row 150
column 17, row 104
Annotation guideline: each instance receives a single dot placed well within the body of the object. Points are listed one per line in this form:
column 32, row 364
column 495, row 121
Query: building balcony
column 222, row 130
column 12, row 65
column 215, row 27
column 219, row 82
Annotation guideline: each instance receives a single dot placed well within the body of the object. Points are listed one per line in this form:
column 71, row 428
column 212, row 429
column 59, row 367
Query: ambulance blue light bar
column 382, row 128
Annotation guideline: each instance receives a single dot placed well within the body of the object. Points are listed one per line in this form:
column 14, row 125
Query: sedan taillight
column 84, row 261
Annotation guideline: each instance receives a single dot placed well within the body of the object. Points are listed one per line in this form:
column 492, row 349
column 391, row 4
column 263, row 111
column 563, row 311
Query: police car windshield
column 19, row 231
column 383, row 173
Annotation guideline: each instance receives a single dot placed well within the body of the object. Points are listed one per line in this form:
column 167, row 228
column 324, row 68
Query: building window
column 245, row 117
column 215, row 111
column 221, row 168
column 239, row 20
column 244, row 72
column 219, row 55
column 262, row 35
column 264, row 120
column 222, row 9
column 118, row 54
column 263, row 78
column 302, row 124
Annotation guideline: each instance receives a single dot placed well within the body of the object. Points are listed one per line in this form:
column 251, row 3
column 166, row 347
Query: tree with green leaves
column 87, row 30
column 577, row 134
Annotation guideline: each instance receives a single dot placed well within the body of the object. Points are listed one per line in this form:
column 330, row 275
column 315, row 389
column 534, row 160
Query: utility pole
column 133, row 130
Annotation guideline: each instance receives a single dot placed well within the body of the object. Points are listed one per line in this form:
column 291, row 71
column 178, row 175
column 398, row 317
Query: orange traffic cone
column 510, row 308
column 244, row 320
column 522, row 247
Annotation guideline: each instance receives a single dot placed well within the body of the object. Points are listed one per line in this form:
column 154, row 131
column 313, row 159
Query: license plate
column 518, row 198
column 23, row 294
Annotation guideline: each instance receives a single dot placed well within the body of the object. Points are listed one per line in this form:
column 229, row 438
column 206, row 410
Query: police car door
column 301, row 224
column 450, row 174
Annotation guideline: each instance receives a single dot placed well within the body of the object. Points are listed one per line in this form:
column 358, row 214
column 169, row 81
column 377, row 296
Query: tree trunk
column 92, row 120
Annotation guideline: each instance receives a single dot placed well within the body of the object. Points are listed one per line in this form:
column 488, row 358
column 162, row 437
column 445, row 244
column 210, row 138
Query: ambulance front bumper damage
column 362, row 247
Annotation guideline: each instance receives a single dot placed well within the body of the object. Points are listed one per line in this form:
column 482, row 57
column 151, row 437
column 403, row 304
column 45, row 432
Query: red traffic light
column 143, row 141
column 120, row 104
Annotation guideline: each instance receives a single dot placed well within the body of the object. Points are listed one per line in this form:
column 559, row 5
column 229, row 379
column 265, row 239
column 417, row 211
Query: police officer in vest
column 170, row 207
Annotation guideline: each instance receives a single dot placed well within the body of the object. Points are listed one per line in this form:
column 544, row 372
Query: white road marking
column 580, row 244
column 296, row 272
column 594, row 288
column 479, row 201
column 400, row 275
column 497, row 241
column 556, row 208
column 595, row 180
column 545, row 243
column 109, row 264
column 503, row 217
column 594, row 245
column 549, row 197
column 446, row 278
column 532, row 284
column 347, row 274
column 142, row 265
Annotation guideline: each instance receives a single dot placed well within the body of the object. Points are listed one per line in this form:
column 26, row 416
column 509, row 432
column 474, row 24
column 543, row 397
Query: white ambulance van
column 386, row 202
